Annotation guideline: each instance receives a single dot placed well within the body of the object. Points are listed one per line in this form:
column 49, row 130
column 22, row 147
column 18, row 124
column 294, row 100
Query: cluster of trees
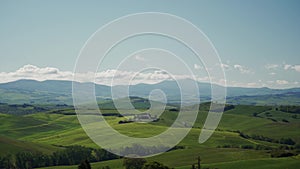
column 85, row 165
column 219, row 107
column 290, row 109
column 24, row 109
column 281, row 151
column 19, row 109
column 268, row 114
column 174, row 109
column 72, row 155
column 125, row 121
column 285, row 151
column 141, row 163
column 177, row 147
column 287, row 141
column 247, row 146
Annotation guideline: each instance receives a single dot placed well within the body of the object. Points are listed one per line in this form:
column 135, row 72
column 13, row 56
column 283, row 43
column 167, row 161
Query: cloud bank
column 107, row 77
column 283, row 67
column 113, row 77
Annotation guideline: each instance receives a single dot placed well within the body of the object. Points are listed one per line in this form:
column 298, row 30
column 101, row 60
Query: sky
column 257, row 41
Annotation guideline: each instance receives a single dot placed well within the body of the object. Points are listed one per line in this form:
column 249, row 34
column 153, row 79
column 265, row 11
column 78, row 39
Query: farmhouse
column 144, row 117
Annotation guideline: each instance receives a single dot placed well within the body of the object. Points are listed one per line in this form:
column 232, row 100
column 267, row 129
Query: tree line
column 287, row 141
column 71, row 155
column 290, row 109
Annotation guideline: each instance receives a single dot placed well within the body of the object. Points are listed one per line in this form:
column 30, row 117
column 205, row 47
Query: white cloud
column 244, row 84
column 203, row 79
column 272, row 73
column 253, row 84
column 287, row 66
column 271, row 66
column 27, row 69
column 35, row 73
column 225, row 66
column 197, row 67
column 118, row 77
column 122, row 77
column 296, row 67
column 242, row 69
column 284, row 66
column 139, row 58
column 291, row 67
column 282, row 82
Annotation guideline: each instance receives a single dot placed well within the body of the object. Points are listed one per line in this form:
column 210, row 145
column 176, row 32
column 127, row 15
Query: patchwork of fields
column 264, row 126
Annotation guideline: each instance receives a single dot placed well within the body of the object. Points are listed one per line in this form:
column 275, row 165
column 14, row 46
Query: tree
column 199, row 164
column 84, row 165
column 133, row 163
column 6, row 162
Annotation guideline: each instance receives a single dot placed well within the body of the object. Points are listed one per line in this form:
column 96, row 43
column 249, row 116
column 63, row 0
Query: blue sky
column 258, row 41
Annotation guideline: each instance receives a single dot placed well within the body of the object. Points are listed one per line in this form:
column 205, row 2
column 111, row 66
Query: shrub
column 133, row 163
column 247, row 147
column 84, row 165
column 173, row 109
column 155, row 165
column 281, row 153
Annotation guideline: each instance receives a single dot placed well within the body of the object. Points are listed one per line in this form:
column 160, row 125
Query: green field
column 49, row 132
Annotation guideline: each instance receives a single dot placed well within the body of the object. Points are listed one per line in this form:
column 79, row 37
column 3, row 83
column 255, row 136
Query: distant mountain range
column 60, row 92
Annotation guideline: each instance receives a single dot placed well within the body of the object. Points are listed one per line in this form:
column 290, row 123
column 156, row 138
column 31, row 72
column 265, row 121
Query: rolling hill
column 247, row 135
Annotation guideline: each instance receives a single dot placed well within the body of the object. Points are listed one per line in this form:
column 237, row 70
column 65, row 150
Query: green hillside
column 9, row 145
column 247, row 136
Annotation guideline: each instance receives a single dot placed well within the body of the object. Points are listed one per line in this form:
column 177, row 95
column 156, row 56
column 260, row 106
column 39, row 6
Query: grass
column 45, row 132
column 259, row 163
column 9, row 145
column 278, row 163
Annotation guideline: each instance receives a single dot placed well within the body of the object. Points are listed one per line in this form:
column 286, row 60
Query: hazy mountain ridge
column 60, row 92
